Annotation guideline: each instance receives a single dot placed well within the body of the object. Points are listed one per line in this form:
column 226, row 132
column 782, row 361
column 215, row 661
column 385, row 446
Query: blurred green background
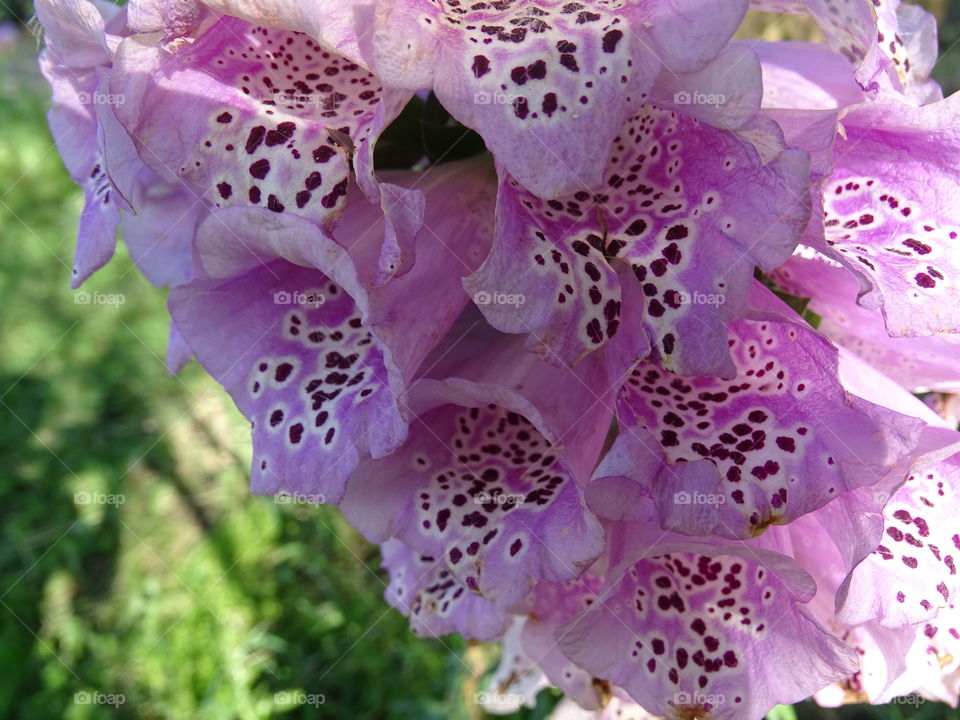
column 191, row 598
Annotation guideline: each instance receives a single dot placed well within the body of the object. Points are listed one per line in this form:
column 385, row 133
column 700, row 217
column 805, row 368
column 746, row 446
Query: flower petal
column 487, row 480
column 687, row 634
column 314, row 356
column 781, row 439
column 919, row 364
column 913, row 571
column 424, row 590
column 229, row 115
column 547, row 86
column 888, row 212
column 691, row 209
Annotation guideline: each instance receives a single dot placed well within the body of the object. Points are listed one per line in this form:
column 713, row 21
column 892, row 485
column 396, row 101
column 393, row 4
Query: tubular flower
column 601, row 324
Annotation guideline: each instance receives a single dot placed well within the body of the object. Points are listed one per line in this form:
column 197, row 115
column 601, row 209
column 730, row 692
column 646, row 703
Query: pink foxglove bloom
column 603, row 325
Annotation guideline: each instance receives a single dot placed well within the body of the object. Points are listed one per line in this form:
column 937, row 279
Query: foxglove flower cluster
column 610, row 329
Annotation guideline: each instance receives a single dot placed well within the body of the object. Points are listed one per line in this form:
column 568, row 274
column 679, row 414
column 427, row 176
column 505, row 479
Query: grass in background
column 192, row 598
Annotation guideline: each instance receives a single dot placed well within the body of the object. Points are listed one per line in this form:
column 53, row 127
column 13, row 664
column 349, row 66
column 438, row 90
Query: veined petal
column 919, row 364
column 74, row 32
column 732, row 457
column 423, row 589
column 869, row 34
column 725, row 93
column 805, row 76
column 160, row 235
column 552, row 606
column 620, row 707
column 688, row 208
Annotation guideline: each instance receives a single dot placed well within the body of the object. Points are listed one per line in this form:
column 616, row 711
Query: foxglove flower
column 490, row 478
column 762, row 445
column 548, row 85
column 630, row 390
column 680, row 207
column 289, row 320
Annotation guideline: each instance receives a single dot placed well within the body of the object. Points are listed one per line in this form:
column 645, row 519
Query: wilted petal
column 423, row 589
column 517, row 679
column 732, row 457
column 689, row 208
column 886, row 54
column 919, row 364
column 173, row 18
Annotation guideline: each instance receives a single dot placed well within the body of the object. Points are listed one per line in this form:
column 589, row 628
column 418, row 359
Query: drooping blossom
column 316, row 355
column 629, row 391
